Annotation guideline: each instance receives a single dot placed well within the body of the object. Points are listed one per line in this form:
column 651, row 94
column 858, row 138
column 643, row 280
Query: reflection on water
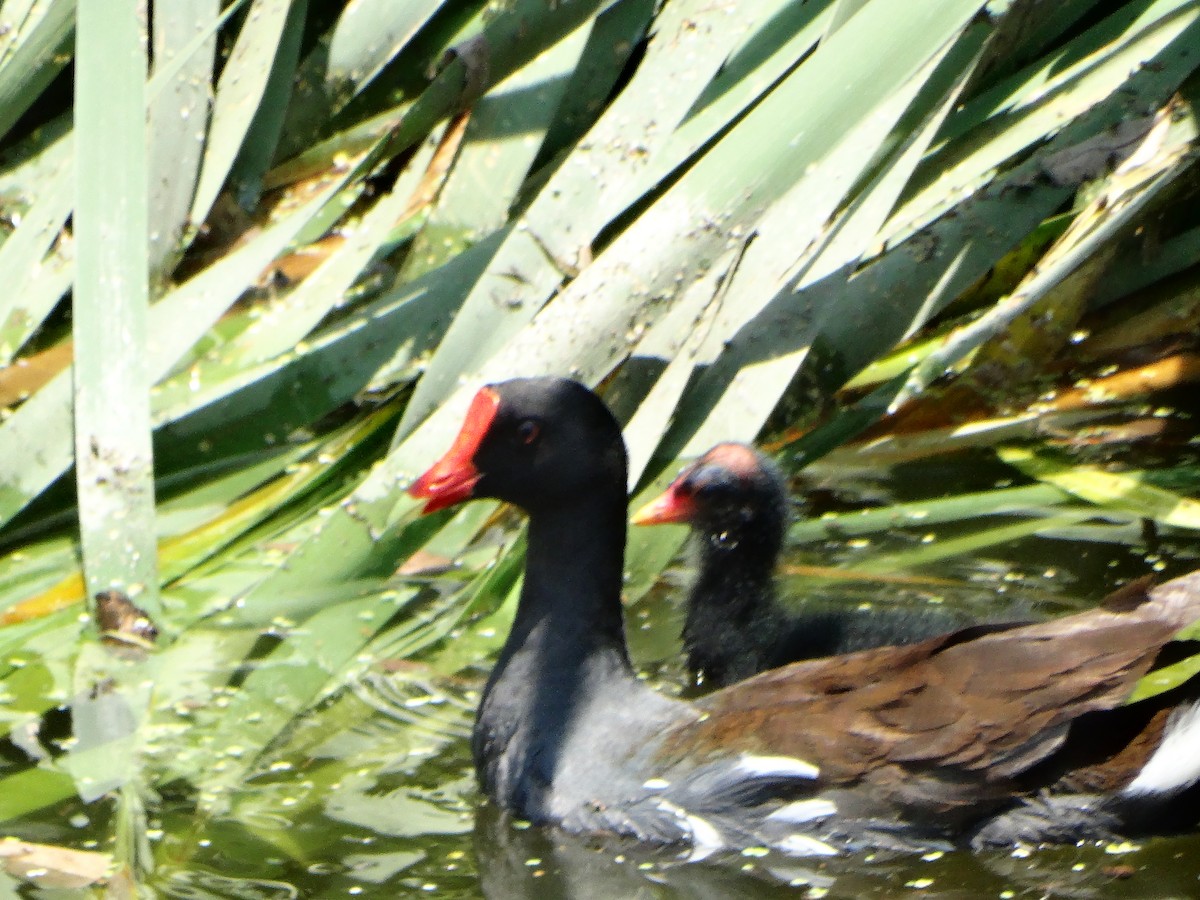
column 529, row 863
column 373, row 795
column 524, row 862
column 197, row 885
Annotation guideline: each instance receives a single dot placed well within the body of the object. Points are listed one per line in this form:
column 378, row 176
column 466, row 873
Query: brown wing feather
column 959, row 711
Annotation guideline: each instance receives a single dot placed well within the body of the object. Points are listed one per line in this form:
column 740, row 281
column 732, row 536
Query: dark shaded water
column 379, row 800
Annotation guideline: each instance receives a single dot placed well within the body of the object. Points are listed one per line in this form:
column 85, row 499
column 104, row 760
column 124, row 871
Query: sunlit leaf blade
column 1052, row 91
column 970, row 543
column 768, row 311
column 1004, row 501
column 33, row 789
column 500, row 141
column 368, row 35
column 590, row 187
column 262, row 136
column 1168, row 677
column 1125, row 491
column 282, row 325
column 36, row 440
column 1159, row 158
column 35, row 35
column 239, row 93
column 177, row 118
column 36, row 261
column 113, row 458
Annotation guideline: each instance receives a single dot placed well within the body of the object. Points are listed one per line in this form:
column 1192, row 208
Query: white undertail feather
column 1175, row 765
column 705, row 838
column 775, row 767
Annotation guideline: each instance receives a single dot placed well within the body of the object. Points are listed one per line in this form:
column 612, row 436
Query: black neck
column 733, row 620
column 571, row 601
column 566, row 647
column 737, row 574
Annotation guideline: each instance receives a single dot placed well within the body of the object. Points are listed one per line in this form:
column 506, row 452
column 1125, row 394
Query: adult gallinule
column 1016, row 734
column 736, row 501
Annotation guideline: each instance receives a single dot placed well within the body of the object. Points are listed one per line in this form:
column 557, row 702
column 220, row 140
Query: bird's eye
column 528, row 432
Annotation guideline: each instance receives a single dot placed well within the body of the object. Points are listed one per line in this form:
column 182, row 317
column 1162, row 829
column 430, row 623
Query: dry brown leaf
column 424, row 563
column 26, row 376
column 53, row 867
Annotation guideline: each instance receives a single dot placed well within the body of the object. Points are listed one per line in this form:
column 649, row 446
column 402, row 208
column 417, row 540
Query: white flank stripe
column 1176, row 763
column 803, row 845
column 776, row 767
column 804, row 811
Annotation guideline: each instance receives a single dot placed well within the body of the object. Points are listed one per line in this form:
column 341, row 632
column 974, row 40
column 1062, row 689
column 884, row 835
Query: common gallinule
column 1015, row 734
column 736, row 501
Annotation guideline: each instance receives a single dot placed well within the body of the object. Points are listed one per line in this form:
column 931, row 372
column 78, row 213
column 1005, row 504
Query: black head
column 535, row 442
column 732, row 491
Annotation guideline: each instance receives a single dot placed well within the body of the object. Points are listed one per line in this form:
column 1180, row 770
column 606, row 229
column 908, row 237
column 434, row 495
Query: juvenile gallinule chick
column 736, row 501
column 1016, row 734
